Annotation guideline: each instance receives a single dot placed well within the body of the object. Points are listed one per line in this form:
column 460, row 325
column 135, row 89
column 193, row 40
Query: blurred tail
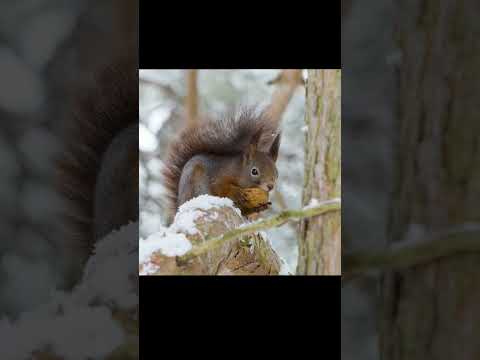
column 98, row 170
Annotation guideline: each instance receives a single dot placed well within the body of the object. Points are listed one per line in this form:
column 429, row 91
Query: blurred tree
column 431, row 311
column 346, row 8
column 286, row 83
column 320, row 237
column 191, row 100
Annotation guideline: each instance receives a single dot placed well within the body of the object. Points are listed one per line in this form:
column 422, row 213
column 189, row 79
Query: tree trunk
column 432, row 311
column 320, row 237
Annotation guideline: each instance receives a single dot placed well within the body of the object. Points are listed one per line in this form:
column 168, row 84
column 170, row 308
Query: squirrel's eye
column 254, row 171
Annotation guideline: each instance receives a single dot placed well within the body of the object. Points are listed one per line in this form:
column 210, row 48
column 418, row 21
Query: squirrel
column 98, row 168
column 225, row 158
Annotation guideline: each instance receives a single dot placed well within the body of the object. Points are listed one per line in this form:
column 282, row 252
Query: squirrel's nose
column 270, row 187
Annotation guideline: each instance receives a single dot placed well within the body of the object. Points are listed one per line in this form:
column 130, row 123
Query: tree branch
column 411, row 253
column 277, row 220
column 287, row 82
column 191, row 99
column 166, row 89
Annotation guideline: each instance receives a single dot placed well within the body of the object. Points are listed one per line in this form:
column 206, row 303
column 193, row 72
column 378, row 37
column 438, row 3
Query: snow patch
column 149, row 269
column 191, row 210
column 284, row 268
column 313, row 203
column 107, row 273
column 80, row 332
column 168, row 243
column 172, row 241
column 185, row 222
column 206, row 202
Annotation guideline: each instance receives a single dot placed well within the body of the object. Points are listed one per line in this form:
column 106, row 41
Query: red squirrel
column 224, row 158
column 98, row 168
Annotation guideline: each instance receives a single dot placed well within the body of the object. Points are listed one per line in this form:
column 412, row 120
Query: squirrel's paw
column 262, row 207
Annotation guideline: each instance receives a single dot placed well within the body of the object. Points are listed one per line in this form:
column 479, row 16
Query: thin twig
column 167, row 89
column 274, row 221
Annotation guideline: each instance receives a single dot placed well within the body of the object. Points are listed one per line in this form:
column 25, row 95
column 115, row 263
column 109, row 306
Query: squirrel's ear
column 273, row 152
column 256, row 138
column 253, row 145
column 249, row 154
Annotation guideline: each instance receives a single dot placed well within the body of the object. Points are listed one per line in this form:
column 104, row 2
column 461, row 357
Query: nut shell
column 255, row 197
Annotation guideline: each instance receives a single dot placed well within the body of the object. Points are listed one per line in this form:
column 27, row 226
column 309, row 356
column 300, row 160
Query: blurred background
column 162, row 109
column 369, row 59
column 50, row 53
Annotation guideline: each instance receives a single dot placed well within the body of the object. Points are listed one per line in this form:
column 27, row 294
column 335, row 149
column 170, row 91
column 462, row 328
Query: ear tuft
column 275, row 147
column 253, row 145
column 255, row 140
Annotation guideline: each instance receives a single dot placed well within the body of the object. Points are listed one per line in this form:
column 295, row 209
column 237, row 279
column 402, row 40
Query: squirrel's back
column 229, row 135
column 100, row 153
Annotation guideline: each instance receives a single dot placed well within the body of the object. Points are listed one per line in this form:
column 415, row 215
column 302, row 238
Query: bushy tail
column 109, row 107
column 229, row 135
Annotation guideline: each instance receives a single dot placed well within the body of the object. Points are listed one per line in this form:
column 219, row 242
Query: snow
column 107, row 273
column 285, row 268
column 172, row 241
column 315, row 202
column 149, row 268
column 206, row 202
column 213, row 216
column 185, row 222
column 168, row 243
column 147, row 141
column 79, row 332
column 191, row 210
column 68, row 322
column 158, row 118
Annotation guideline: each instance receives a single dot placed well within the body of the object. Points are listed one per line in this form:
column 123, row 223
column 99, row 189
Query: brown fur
column 230, row 135
column 110, row 106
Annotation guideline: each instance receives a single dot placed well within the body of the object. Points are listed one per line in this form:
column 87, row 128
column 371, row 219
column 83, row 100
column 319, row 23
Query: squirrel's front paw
column 257, row 209
column 262, row 207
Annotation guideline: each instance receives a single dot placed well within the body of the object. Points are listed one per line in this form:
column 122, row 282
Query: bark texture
column 431, row 311
column 320, row 237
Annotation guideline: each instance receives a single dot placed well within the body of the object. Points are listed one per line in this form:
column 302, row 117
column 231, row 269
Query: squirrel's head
column 259, row 168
